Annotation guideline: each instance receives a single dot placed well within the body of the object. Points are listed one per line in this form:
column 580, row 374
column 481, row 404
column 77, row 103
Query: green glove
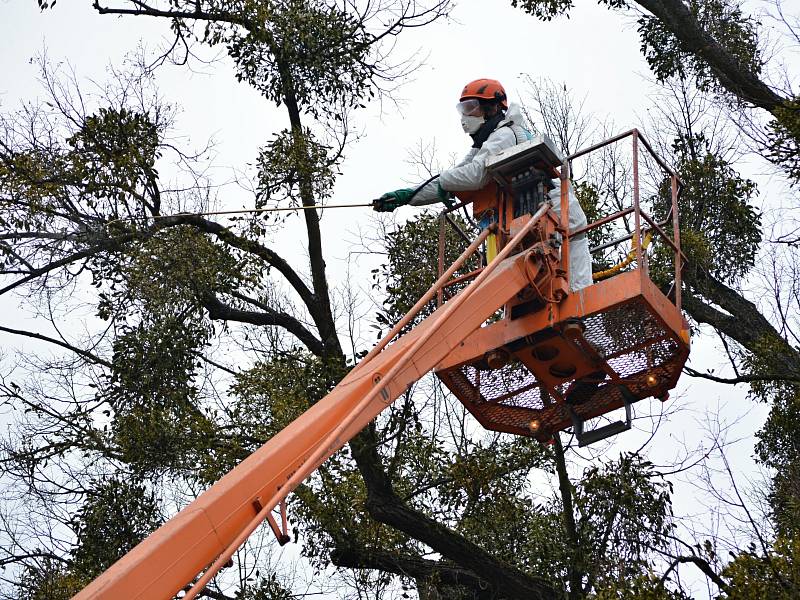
column 444, row 195
column 392, row 200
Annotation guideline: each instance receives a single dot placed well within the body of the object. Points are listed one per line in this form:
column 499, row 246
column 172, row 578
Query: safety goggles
column 469, row 108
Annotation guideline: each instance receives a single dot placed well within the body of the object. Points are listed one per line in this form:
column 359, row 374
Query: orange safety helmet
column 485, row 89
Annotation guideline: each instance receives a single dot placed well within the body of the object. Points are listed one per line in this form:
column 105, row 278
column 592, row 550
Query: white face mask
column 471, row 125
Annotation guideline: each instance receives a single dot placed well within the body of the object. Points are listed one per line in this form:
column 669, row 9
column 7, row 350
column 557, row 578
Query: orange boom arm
column 212, row 527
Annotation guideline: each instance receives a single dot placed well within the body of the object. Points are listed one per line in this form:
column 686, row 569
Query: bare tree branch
column 219, row 310
column 411, row 566
column 38, row 336
column 675, row 15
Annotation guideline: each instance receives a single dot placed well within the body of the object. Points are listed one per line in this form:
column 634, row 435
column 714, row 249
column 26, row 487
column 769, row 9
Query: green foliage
column 37, row 176
column 491, row 471
column 412, row 254
column 269, row 396
column 522, row 533
column 155, row 365
column 170, row 271
column 105, row 169
column 778, row 444
column 625, row 510
column 489, row 490
column 623, row 513
column 720, row 228
column 784, row 133
column 775, row 575
column 765, row 359
column 274, row 392
column 643, row 586
column 316, row 52
column 49, row 579
column 160, row 439
column 545, row 10
column 594, row 207
column 264, row 588
column 113, row 156
column 291, row 160
column 784, row 496
column 723, row 20
column 669, row 57
column 153, row 293
column 117, row 515
column 778, row 447
column 331, row 514
column 157, row 423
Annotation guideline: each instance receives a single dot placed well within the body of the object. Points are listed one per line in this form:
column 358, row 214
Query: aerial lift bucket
column 549, row 365
column 603, row 348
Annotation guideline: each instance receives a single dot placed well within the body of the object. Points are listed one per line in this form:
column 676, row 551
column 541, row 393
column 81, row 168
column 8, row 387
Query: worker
column 493, row 125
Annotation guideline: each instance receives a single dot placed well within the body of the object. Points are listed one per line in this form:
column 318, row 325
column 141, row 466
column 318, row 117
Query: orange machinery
column 520, row 351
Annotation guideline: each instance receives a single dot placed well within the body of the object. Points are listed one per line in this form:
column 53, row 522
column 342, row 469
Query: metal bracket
column 595, row 435
column 280, row 532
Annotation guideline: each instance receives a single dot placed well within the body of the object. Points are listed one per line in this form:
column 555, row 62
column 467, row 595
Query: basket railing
column 643, row 222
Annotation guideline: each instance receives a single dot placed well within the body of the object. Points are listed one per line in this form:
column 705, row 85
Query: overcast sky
column 595, row 52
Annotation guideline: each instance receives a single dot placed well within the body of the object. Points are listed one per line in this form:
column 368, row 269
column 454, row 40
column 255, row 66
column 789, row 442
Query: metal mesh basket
column 642, row 357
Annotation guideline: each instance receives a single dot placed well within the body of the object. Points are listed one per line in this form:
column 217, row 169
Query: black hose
column 469, row 219
column 464, row 208
column 420, row 186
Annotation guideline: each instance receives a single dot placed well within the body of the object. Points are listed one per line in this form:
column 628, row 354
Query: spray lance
column 214, row 213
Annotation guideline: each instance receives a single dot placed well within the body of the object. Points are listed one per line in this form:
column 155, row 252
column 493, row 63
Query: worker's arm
column 471, row 174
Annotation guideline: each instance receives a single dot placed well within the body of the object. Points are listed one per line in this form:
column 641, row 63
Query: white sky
column 595, row 52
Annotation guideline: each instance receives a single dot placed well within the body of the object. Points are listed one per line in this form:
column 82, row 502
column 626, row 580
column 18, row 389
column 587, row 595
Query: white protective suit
column 471, row 174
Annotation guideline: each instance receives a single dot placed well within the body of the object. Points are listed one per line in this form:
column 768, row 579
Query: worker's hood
column 481, row 129
column 513, row 115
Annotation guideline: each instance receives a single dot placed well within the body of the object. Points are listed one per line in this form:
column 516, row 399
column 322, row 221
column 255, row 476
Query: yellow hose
column 648, row 237
column 491, row 248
